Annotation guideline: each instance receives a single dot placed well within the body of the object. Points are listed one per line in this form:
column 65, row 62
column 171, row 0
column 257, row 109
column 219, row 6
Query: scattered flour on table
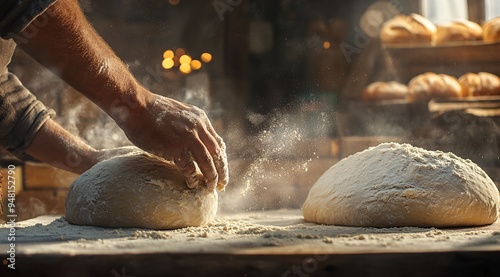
column 243, row 231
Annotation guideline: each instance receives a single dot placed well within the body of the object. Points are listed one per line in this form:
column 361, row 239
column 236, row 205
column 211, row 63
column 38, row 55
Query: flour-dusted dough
column 140, row 191
column 394, row 185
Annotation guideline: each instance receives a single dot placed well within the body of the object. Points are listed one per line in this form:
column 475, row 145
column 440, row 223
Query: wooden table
column 269, row 243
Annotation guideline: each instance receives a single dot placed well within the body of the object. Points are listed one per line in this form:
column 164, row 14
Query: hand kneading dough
column 139, row 191
column 394, row 185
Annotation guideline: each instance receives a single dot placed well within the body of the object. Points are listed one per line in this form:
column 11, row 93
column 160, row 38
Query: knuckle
column 188, row 168
column 198, row 111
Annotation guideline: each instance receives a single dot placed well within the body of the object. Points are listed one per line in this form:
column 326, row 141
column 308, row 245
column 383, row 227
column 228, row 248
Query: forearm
column 70, row 46
column 55, row 146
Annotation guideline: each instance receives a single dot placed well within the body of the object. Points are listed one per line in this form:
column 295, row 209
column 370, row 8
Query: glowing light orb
column 167, row 63
column 185, row 59
column 195, row 64
column 168, row 54
column 185, row 68
column 206, row 57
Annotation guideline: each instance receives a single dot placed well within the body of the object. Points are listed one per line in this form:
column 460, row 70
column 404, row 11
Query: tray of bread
column 414, row 38
column 481, row 87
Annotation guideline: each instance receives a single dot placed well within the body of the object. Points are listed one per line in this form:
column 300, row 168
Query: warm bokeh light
column 326, row 44
column 168, row 54
column 179, row 52
column 174, row 2
column 185, row 59
column 185, row 62
column 195, row 64
column 185, row 68
column 167, row 63
column 206, row 57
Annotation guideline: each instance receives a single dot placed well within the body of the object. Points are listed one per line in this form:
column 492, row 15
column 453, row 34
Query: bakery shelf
column 455, row 59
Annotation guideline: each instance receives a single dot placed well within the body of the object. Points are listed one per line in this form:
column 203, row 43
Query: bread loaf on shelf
column 385, row 91
column 480, row 84
column 491, row 30
column 430, row 85
column 412, row 28
column 460, row 30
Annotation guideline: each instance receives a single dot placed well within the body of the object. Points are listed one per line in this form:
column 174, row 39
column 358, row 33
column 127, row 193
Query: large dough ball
column 394, row 185
column 139, row 191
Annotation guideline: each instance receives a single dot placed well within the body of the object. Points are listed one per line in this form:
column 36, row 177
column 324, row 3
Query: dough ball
column 412, row 28
column 385, row 91
column 140, row 191
column 394, row 185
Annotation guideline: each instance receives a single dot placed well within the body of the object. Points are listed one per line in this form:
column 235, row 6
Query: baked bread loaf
column 482, row 83
column 491, row 30
column 385, row 91
column 460, row 30
column 412, row 28
column 430, row 85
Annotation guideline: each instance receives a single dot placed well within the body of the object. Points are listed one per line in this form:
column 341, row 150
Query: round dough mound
column 140, row 191
column 394, row 185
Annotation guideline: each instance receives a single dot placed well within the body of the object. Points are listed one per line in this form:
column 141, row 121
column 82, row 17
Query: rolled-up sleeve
column 15, row 15
column 21, row 114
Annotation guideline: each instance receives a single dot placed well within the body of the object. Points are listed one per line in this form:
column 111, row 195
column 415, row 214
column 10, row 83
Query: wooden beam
column 476, row 10
column 415, row 6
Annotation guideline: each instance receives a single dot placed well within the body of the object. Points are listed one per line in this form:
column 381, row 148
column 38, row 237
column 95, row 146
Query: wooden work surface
column 270, row 243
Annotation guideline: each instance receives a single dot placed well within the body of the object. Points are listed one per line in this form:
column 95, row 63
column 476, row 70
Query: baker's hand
column 182, row 133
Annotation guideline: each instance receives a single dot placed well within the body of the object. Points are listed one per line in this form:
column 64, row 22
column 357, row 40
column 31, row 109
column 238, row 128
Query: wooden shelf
column 454, row 58
column 473, row 51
